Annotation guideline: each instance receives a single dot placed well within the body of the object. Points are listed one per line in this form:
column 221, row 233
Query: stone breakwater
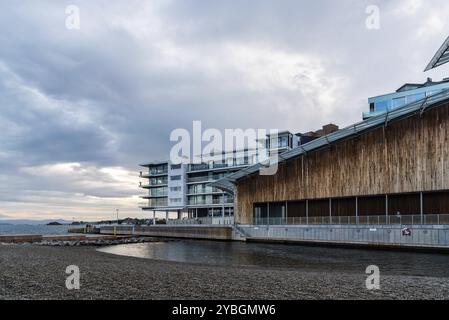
column 95, row 242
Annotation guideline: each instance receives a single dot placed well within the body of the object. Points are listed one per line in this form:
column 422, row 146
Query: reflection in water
column 287, row 256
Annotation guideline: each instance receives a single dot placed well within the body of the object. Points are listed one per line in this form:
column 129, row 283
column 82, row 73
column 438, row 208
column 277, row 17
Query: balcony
column 205, row 178
column 206, row 190
column 370, row 114
column 217, row 166
column 158, row 172
column 198, row 167
column 158, row 192
column 209, row 202
column 154, row 203
column 144, row 175
column 200, row 179
column 149, row 186
column 153, row 173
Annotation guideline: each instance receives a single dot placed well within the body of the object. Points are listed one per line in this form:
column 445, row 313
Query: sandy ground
column 36, row 272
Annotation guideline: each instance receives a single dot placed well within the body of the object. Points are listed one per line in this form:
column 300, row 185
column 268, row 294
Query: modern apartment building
column 165, row 185
column 408, row 93
column 186, row 189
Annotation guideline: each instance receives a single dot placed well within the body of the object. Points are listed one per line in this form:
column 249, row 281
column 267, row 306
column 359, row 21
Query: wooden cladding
column 403, row 157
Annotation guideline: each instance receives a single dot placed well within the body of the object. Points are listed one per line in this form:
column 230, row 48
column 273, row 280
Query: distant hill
column 54, row 223
column 32, row 222
column 61, row 221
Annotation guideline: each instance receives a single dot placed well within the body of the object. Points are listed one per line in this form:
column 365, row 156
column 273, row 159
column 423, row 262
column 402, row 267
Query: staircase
column 238, row 234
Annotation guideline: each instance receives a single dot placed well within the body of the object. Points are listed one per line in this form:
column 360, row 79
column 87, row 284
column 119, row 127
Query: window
column 161, row 202
column 415, row 97
column 280, row 142
column 283, row 142
column 158, row 181
column 382, row 106
column 160, row 169
column 197, row 200
column 175, row 189
column 158, row 192
column 371, row 107
column 175, row 200
column 176, row 166
column 398, row 102
column 175, row 178
column 431, row 93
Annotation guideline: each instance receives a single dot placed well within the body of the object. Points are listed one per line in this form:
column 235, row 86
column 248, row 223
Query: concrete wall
column 191, row 232
column 422, row 236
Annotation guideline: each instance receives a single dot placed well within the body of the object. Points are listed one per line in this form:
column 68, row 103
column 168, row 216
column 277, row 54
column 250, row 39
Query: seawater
column 320, row 259
column 34, row 229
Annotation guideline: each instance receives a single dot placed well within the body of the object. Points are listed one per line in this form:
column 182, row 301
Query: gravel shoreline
column 38, row 272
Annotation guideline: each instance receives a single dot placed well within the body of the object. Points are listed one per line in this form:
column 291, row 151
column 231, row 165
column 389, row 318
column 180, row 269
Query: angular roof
column 428, row 83
column 354, row 130
column 440, row 58
column 154, row 163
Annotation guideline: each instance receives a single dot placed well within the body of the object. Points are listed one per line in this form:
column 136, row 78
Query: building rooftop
column 154, row 163
column 428, row 83
column 441, row 56
column 370, row 124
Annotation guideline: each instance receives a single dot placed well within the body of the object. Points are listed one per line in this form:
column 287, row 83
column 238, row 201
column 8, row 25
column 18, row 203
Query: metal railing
column 205, row 220
column 154, row 203
column 211, row 166
column 158, row 193
column 158, row 171
column 198, row 167
column 149, row 174
column 209, row 202
column 427, row 219
column 193, row 191
column 199, row 179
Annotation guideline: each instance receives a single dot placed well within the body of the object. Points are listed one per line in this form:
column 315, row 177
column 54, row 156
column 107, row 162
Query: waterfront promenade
column 35, row 272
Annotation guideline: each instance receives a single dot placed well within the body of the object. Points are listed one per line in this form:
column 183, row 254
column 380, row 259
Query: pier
column 32, row 238
column 410, row 237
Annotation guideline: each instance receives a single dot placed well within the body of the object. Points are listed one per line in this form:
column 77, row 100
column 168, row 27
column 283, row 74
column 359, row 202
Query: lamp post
column 117, row 215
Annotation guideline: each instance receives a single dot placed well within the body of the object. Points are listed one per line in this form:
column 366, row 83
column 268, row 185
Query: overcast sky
column 80, row 109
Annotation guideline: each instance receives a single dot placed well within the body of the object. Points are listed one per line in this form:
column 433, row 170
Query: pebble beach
column 38, row 272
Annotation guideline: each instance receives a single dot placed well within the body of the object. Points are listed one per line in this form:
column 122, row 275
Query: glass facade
column 282, row 141
column 188, row 189
column 210, row 200
column 158, row 181
column 201, row 188
column 160, row 169
column 158, row 202
column 406, row 95
column 158, row 192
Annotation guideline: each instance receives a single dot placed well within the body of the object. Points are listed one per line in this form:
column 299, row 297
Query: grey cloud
column 110, row 94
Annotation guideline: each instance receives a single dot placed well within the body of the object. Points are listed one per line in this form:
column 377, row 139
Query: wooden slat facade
column 407, row 156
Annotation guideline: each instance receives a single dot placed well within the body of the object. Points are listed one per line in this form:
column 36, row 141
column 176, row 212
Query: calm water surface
column 34, row 229
column 288, row 256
